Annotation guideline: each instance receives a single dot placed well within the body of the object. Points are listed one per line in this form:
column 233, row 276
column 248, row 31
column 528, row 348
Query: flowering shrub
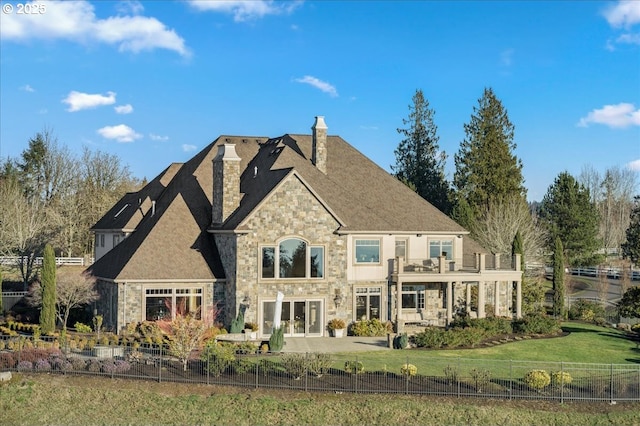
column 7, row 360
column 560, row 378
column 408, row 370
column 537, row 379
column 42, row 365
column 25, row 365
column 94, row 366
column 61, row 364
column 122, row 366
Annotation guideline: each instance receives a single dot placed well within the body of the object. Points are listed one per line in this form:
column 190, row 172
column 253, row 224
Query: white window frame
column 366, row 262
column 439, row 241
column 276, row 260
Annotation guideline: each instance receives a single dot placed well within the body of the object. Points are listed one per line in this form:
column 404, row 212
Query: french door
column 299, row 318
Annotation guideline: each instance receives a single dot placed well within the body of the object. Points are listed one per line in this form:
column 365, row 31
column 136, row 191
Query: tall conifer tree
column 558, row 279
column 419, row 161
column 486, row 167
column 48, row 311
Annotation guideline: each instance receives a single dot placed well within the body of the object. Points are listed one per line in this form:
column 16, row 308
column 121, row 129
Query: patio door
column 299, row 318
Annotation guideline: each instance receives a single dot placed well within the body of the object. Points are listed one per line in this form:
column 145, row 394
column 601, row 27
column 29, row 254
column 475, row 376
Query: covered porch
column 428, row 293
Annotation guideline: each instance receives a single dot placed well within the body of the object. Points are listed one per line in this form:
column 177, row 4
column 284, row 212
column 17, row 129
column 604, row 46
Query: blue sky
column 156, row 81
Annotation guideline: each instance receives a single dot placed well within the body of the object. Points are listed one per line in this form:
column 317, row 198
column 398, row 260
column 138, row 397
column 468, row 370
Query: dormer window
column 294, row 258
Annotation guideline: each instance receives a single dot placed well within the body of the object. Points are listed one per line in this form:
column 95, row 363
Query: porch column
column 468, row 300
column 449, row 301
column 496, row 297
column 399, row 321
column 481, row 294
column 519, row 299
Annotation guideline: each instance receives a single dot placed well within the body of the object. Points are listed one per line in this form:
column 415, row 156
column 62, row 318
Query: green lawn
column 585, row 344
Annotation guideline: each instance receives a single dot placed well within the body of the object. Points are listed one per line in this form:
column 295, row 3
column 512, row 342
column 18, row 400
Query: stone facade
column 226, row 180
column 292, row 211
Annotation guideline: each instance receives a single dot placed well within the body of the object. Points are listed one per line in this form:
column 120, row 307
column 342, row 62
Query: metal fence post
column 160, row 363
column 406, row 382
column 356, row 373
column 257, row 366
column 561, row 382
column 458, row 377
column 208, row 352
column 306, row 373
column 510, row 379
column 611, row 386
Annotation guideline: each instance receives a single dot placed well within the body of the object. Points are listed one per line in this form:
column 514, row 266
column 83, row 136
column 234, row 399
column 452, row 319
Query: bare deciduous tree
column 73, row 290
column 498, row 224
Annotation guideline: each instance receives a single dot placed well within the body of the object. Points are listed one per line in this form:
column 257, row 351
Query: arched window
column 292, row 258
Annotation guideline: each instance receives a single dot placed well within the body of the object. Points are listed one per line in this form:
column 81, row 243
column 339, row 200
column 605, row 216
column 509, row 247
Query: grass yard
column 586, row 343
column 72, row 400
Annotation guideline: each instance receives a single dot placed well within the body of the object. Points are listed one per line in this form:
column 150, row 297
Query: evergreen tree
column 48, row 310
column 558, row 279
column 631, row 247
column 518, row 248
column 1, row 306
column 569, row 214
column 419, row 162
column 486, row 168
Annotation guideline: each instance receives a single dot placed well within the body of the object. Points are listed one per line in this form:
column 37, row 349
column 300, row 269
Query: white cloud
column 246, row 10
column 617, row 116
column 318, row 84
column 76, row 21
column 634, row 165
column 623, row 14
column 506, row 57
column 121, row 133
column 629, row 38
column 188, row 148
column 126, row 7
column 27, row 88
column 155, row 137
column 78, row 101
column 123, row 109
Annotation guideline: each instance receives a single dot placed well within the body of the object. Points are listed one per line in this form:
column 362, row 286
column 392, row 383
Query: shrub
column 219, row 357
column 320, row 364
column 353, row 367
column 82, row 328
column 7, row 360
column 36, row 354
column 61, row 364
column 400, row 341
column 94, row 366
column 238, row 323
column 336, row 324
column 246, row 348
column 42, row 365
column 371, row 328
column 25, row 366
column 78, row 363
column 276, row 341
column 536, row 324
column 251, row 326
column 537, row 379
column 585, row 310
column 122, row 366
column 560, row 379
column 451, row 374
column 109, row 367
column 408, row 370
column 480, row 378
column 242, row 365
column 430, row 337
column 295, row 364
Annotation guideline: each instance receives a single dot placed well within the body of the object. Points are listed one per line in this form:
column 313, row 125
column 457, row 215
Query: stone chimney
column 226, row 183
column 319, row 146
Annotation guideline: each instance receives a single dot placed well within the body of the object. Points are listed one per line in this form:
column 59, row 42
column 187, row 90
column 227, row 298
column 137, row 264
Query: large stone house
column 305, row 215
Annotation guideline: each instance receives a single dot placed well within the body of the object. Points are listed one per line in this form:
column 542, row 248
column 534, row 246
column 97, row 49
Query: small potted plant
column 337, row 327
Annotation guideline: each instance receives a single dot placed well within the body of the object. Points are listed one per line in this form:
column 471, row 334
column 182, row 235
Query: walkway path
column 333, row 344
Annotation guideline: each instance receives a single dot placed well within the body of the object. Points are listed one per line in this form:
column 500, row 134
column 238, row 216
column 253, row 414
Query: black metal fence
column 241, row 366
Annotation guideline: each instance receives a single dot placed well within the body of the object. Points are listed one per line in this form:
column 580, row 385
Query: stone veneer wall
column 107, row 304
column 226, row 183
column 227, row 248
column 292, row 211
